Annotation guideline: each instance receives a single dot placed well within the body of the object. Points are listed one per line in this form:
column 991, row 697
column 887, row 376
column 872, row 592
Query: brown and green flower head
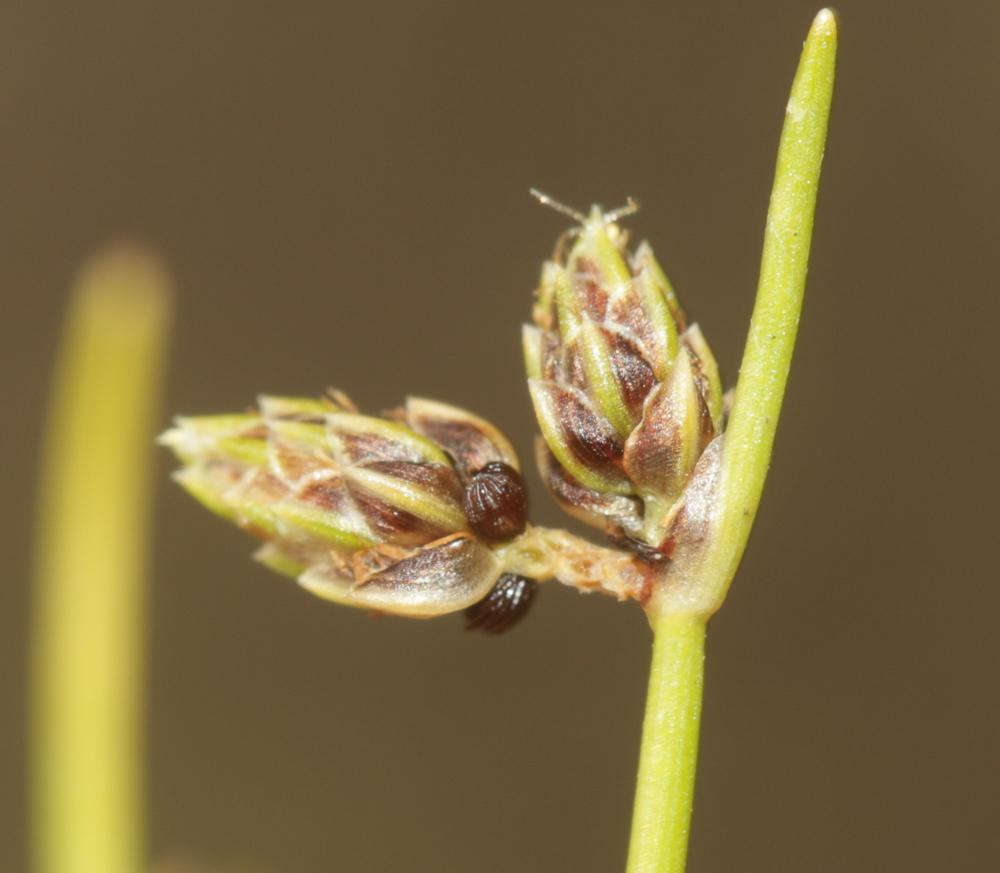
column 627, row 394
column 422, row 511
column 411, row 513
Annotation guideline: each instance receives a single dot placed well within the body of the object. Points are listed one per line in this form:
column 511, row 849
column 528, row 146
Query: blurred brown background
column 341, row 190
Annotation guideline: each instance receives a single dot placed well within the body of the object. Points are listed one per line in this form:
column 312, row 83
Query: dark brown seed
column 496, row 503
column 506, row 604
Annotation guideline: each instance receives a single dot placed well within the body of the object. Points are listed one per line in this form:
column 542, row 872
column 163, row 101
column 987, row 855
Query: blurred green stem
column 90, row 600
column 669, row 752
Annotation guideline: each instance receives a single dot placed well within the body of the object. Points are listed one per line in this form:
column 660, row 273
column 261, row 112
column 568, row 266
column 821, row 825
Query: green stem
column 89, row 618
column 767, row 357
column 669, row 754
column 669, row 750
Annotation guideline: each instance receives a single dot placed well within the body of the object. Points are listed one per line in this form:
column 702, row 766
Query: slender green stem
column 89, row 620
column 767, row 357
column 669, row 750
column 665, row 787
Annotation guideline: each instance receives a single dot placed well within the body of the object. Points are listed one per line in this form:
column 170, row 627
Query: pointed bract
column 433, row 580
column 472, row 442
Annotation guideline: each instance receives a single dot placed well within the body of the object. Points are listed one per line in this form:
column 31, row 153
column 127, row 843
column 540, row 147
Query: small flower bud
column 627, row 395
column 395, row 514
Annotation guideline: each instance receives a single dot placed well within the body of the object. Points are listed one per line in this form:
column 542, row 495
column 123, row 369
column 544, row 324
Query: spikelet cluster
column 384, row 513
column 422, row 511
column 627, row 394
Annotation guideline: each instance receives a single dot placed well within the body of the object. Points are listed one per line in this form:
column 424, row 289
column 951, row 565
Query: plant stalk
column 669, row 750
column 89, row 628
column 669, row 753
column 767, row 357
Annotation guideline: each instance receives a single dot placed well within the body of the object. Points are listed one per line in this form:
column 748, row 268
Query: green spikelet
column 626, row 394
column 365, row 511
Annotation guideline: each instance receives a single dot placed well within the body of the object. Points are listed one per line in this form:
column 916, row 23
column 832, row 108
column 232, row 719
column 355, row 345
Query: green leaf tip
column 770, row 342
column 824, row 24
column 724, row 508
